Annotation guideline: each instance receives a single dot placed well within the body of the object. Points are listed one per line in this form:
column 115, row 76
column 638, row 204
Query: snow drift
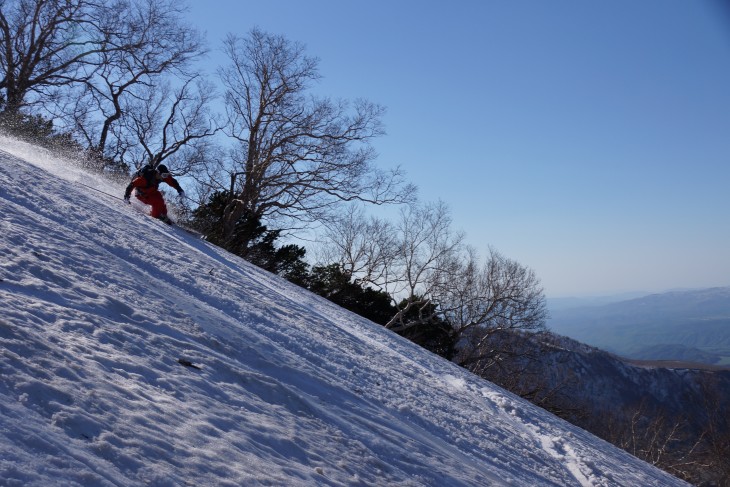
column 99, row 305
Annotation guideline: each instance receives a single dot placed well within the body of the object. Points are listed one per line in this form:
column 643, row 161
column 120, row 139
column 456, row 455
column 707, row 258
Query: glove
column 181, row 195
column 126, row 200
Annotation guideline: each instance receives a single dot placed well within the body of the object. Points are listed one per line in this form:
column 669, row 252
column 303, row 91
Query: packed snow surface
column 99, row 303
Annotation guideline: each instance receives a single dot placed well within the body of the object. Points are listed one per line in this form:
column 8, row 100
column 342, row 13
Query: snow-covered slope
column 99, row 302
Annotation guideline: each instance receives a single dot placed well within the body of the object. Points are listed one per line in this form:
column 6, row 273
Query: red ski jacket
column 145, row 188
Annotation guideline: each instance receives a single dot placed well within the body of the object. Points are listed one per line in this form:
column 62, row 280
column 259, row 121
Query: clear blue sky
column 589, row 141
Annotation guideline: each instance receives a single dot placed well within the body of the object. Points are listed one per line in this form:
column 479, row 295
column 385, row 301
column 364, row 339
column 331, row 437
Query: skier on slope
column 145, row 184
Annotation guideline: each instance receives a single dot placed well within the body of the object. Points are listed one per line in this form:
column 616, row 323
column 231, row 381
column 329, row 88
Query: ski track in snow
column 583, row 470
column 98, row 302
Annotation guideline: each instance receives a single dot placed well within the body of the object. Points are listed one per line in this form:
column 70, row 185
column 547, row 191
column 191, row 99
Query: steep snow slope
column 98, row 303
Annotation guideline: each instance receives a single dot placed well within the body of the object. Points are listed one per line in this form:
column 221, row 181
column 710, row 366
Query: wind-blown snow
column 98, row 303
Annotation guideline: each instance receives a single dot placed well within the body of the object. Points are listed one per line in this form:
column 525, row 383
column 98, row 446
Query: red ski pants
column 155, row 200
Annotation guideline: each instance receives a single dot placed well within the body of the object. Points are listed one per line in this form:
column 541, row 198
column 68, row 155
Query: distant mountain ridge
column 592, row 301
column 691, row 325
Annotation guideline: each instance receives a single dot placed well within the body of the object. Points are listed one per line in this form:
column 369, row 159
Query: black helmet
column 163, row 170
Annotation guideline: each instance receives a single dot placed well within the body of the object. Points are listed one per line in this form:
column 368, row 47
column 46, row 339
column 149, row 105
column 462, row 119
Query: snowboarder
column 145, row 183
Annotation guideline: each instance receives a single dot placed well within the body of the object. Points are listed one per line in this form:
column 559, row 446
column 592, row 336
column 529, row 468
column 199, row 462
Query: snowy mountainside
column 98, row 303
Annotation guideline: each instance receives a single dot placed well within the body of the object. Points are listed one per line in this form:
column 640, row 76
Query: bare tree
column 491, row 306
column 408, row 260
column 87, row 61
column 364, row 247
column 169, row 125
column 158, row 43
column 428, row 255
column 297, row 155
column 715, row 451
column 46, row 45
column 431, row 275
column 147, row 43
column 654, row 435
